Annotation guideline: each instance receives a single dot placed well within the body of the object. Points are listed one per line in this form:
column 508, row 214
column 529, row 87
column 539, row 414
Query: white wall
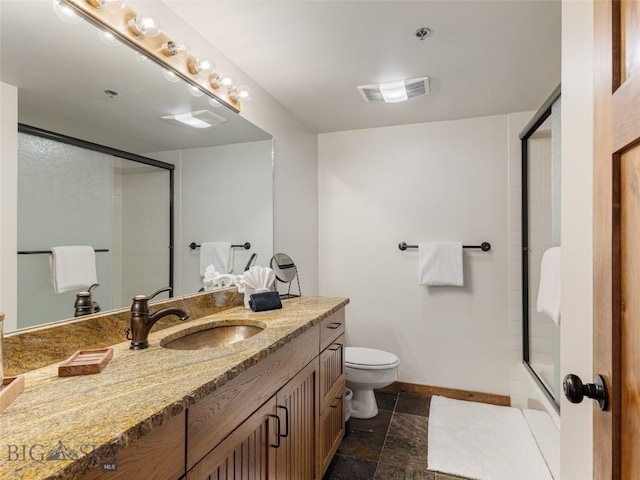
column 295, row 202
column 435, row 181
column 225, row 198
column 577, row 220
column 8, row 202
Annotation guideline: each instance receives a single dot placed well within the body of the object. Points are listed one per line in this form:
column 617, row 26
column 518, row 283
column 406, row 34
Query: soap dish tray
column 85, row 362
column 11, row 388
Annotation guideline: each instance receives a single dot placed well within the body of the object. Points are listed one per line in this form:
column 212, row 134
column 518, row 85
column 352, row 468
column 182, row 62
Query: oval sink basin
column 212, row 337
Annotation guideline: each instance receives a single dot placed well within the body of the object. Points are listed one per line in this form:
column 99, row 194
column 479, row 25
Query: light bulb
column 201, row 66
column 108, row 38
column 170, row 76
column 195, row 91
column 171, row 49
column 214, row 103
column 145, row 24
column 143, row 58
column 241, row 93
column 65, row 13
column 227, row 82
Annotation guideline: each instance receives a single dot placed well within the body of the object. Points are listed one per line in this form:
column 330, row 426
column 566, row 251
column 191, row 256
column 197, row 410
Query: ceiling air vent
column 412, row 88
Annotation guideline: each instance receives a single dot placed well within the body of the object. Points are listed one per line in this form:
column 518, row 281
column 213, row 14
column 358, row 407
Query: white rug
column 481, row 441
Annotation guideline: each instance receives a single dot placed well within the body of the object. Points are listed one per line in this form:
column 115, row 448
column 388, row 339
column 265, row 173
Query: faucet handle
column 92, row 287
column 140, row 304
column 166, row 289
column 146, row 298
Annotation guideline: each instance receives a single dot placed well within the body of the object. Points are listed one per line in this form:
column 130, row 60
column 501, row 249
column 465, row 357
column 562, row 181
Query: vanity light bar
column 117, row 21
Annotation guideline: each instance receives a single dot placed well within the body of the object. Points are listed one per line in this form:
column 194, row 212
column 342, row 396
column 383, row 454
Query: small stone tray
column 85, row 362
column 11, row 388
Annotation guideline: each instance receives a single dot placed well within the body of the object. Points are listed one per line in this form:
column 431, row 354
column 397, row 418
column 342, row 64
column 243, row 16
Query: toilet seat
column 370, row 359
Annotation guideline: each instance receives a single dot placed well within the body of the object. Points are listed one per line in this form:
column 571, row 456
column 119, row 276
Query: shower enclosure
column 540, row 231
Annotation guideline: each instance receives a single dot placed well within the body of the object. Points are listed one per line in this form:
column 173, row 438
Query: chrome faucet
column 142, row 321
column 84, row 304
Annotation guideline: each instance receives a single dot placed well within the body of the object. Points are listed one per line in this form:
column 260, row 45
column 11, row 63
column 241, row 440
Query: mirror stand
column 286, row 272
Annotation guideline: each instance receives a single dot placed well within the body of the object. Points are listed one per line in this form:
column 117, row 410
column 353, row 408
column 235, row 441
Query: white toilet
column 366, row 369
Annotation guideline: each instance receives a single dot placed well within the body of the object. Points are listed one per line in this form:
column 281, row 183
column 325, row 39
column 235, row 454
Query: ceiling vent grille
column 414, row 88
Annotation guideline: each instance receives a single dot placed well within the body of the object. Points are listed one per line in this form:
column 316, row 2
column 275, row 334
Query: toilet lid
column 369, row 357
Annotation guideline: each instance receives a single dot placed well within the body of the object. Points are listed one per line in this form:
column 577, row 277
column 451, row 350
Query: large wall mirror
column 74, row 81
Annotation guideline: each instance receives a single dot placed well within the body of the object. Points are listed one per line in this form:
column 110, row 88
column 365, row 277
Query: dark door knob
column 575, row 390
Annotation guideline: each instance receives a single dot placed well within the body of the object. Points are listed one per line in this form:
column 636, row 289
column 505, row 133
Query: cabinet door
column 331, row 425
column 247, row 453
column 297, row 408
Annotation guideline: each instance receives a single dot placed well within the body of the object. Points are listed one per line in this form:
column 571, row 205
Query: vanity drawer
column 331, row 369
column 331, row 328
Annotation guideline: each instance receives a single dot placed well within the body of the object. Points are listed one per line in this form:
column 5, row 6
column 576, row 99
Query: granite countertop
column 136, row 391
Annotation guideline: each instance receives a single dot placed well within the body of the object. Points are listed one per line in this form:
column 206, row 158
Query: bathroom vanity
column 269, row 406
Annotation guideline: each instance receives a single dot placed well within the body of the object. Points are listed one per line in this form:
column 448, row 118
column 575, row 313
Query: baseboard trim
column 428, row 390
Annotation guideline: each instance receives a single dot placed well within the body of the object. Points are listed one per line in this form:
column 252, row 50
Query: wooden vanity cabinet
column 283, row 419
column 158, row 455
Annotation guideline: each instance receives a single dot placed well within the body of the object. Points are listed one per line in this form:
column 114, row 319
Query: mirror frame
column 30, row 130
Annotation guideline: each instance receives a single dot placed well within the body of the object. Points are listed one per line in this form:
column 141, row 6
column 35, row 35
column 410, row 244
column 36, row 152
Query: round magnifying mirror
column 283, row 267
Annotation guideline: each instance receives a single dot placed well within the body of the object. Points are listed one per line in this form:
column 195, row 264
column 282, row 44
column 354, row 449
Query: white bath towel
column 218, row 254
column 73, row 268
column 549, row 291
column 440, row 263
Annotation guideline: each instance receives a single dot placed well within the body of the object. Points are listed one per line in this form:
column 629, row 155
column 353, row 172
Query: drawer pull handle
column 337, row 346
column 336, row 402
column 334, row 325
column 277, row 445
column 286, row 422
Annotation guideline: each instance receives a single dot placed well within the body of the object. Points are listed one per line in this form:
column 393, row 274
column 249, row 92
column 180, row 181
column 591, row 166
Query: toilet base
column 363, row 404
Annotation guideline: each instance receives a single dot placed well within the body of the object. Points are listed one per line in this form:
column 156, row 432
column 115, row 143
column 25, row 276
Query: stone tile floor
column 390, row 446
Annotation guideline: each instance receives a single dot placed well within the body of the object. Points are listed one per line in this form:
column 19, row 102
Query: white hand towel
column 218, row 254
column 549, row 291
column 73, row 268
column 440, row 263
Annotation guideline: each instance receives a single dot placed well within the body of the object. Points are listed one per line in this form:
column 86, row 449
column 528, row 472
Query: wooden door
column 616, row 345
column 297, row 406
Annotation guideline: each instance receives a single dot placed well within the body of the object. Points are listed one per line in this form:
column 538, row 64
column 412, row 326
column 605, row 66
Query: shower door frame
column 538, row 119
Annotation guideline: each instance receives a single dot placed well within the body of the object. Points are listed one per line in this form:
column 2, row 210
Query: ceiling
column 482, row 57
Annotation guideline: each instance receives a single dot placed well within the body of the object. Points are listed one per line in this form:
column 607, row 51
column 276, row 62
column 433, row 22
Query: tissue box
column 260, row 302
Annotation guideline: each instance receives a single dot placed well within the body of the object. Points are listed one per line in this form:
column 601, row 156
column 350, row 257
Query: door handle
column 575, row 390
column 286, row 422
column 277, row 445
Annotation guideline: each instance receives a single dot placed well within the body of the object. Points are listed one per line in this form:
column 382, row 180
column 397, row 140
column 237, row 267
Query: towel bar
column 245, row 245
column 484, row 246
column 38, row 252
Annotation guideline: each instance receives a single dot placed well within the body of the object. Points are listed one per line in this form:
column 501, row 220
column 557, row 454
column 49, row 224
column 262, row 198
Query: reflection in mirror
column 285, row 271
column 541, row 231
column 73, row 195
column 109, row 96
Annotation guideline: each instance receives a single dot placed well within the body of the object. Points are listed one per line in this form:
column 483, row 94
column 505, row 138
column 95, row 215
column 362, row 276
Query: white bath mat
column 481, row 441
